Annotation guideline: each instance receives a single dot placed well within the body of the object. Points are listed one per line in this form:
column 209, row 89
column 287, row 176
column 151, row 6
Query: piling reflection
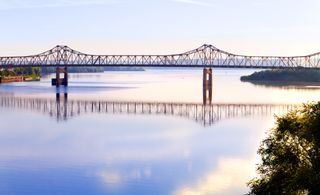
column 206, row 114
column 207, row 86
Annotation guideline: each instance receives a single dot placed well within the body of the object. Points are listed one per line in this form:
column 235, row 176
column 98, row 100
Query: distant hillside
column 73, row 70
column 284, row 76
column 124, row 68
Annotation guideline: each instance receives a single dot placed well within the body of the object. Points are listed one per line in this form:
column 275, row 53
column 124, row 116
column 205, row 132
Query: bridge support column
column 207, row 86
column 57, row 81
column 60, row 81
column 66, row 76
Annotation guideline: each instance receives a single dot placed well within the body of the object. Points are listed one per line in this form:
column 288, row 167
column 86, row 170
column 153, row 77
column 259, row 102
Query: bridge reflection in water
column 206, row 114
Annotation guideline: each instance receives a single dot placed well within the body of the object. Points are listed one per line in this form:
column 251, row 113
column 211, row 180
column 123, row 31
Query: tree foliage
column 291, row 155
column 5, row 73
column 29, row 71
column 49, row 70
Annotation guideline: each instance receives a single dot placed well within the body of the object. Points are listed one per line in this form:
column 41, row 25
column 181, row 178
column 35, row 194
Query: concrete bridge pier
column 60, row 81
column 207, row 86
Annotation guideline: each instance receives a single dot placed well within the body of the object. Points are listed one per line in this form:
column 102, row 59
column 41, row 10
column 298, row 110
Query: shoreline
column 297, row 77
column 12, row 79
column 283, row 83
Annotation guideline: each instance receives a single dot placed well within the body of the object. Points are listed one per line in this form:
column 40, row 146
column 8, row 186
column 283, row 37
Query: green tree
column 6, row 73
column 291, row 155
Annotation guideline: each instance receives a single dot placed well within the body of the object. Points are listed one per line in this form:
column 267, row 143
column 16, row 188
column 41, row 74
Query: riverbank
column 11, row 79
column 280, row 77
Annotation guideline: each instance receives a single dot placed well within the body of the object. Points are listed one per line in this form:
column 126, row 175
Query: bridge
column 205, row 114
column 206, row 56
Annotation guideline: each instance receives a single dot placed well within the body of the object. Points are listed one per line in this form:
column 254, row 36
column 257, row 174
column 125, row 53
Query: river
column 137, row 132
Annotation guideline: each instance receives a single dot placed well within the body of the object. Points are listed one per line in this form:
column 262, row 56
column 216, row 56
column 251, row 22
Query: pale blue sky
column 266, row 27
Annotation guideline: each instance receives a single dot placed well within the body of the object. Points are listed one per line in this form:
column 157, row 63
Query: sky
column 252, row 27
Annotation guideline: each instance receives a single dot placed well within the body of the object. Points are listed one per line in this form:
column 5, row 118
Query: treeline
column 37, row 72
column 29, row 71
column 123, row 68
column 49, row 70
column 285, row 75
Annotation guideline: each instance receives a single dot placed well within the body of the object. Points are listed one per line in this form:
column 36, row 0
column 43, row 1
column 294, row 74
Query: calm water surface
column 136, row 133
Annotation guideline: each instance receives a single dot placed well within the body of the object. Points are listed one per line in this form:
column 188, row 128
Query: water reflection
column 125, row 133
column 286, row 85
column 206, row 114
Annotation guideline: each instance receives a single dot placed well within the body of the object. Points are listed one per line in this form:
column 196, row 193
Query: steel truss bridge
column 204, row 56
column 63, row 109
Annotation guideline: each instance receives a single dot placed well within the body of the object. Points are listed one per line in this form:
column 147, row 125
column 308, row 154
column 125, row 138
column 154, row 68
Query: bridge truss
column 204, row 56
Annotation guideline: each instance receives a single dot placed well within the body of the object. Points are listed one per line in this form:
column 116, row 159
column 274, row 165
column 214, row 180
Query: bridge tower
column 207, row 86
column 60, row 81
